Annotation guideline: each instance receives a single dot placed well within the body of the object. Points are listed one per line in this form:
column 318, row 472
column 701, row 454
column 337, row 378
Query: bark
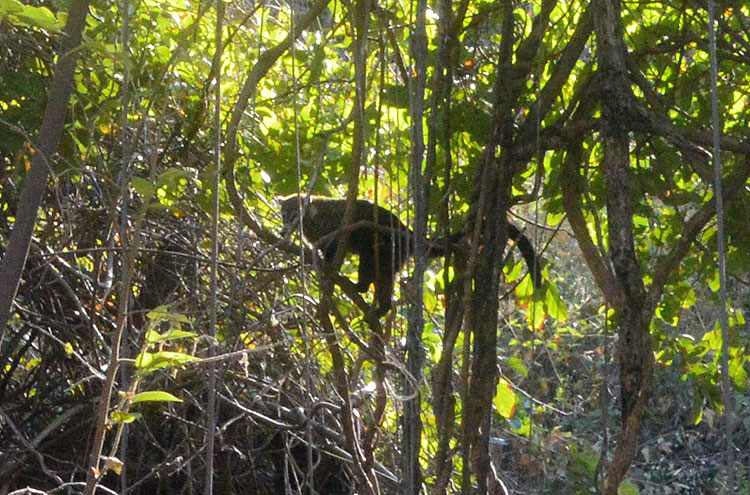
column 211, row 414
column 365, row 480
column 633, row 323
column 560, row 75
column 444, row 402
column 634, row 345
column 48, row 140
column 490, row 207
column 572, row 191
column 415, row 325
column 623, row 283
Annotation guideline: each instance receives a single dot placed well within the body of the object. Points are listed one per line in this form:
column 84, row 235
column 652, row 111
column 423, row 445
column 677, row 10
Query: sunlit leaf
column 556, row 306
column 153, row 336
column 148, row 362
column 627, row 488
column 536, row 315
column 112, row 464
column 123, row 417
column 505, row 399
column 155, row 396
column 28, row 15
column 10, row 7
column 738, row 374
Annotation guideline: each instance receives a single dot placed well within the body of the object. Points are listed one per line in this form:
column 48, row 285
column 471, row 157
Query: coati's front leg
column 329, row 249
column 376, row 267
column 383, row 293
column 366, row 271
column 384, row 273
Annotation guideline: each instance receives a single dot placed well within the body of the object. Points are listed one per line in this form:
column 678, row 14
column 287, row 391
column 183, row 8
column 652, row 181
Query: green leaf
column 154, row 396
column 123, row 417
column 505, row 399
column 148, row 362
column 171, row 176
column 689, row 299
column 517, row 365
column 10, row 7
column 536, row 315
column 163, row 53
column 713, row 281
column 639, row 221
column 144, row 360
column 174, row 320
column 738, row 317
column 152, row 336
column 143, row 187
column 584, row 463
column 698, row 415
column 162, row 313
column 556, row 307
column 627, row 488
column 713, row 338
column 738, row 374
column 40, row 17
column 26, row 15
column 520, row 426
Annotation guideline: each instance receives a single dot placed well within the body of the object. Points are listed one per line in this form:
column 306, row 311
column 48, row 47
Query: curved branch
column 571, row 192
column 50, row 132
column 261, row 68
column 529, row 47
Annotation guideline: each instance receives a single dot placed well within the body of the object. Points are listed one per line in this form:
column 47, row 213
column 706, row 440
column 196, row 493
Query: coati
column 382, row 242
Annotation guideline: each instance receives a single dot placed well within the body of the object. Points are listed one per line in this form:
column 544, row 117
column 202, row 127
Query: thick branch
column 529, row 47
column 634, row 345
column 560, row 75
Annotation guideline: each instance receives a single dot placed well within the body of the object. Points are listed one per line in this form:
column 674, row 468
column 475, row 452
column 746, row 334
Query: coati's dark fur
column 382, row 242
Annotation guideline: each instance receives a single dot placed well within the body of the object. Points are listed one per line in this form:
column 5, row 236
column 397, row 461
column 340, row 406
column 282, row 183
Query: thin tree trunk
column 48, row 139
column 414, row 346
column 633, row 318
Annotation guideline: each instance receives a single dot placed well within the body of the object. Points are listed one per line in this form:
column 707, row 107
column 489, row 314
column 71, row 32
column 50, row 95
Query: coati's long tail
column 527, row 251
column 438, row 248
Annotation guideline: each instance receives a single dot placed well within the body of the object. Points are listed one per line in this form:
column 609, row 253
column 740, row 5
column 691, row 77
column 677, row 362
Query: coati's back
column 324, row 216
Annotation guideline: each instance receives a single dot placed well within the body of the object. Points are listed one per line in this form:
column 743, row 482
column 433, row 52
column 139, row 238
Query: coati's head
column 290, row 209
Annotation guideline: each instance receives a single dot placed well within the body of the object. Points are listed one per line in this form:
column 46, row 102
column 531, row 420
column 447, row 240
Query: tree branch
column 572, row 192
column 669, row 262
column 560, row 75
